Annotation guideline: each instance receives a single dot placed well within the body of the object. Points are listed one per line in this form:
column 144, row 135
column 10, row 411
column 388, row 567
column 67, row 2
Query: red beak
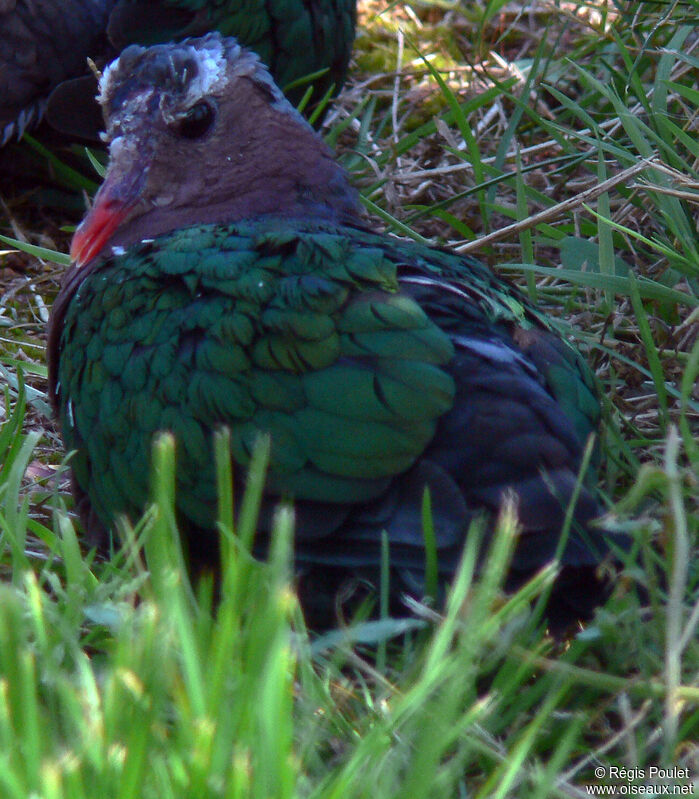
column 113, row 204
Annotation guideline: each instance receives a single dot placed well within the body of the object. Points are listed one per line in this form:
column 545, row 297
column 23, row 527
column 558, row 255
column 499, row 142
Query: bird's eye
column 197, row 121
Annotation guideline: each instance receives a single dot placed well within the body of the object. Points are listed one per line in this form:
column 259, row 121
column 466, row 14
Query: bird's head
column 198, row 132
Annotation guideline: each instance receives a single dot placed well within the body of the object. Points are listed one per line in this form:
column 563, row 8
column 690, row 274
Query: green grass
column 117, row 679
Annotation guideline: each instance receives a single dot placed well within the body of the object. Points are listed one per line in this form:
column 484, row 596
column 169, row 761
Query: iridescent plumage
column 225, row 278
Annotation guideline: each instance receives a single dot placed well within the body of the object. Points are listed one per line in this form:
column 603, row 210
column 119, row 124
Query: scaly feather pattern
column 254, row 298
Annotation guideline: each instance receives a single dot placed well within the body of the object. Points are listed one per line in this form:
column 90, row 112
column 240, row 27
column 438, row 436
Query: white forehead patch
column 105, row 78
column 219, row 61
column 212, row 67
column 209, row 55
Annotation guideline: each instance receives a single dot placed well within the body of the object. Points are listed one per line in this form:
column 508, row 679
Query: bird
column 43, row 43
column 225, row 277
column 43, row 54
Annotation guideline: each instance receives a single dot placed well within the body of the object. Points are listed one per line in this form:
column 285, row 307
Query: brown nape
column 260, row 160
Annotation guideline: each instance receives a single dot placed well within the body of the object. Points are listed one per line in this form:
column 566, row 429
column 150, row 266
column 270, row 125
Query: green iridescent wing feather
column 304, row 335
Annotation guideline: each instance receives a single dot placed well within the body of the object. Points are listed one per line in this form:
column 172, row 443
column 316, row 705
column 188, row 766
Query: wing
column 302, row 335
column 523, row 407
column 462, row 282
column 42, row 44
